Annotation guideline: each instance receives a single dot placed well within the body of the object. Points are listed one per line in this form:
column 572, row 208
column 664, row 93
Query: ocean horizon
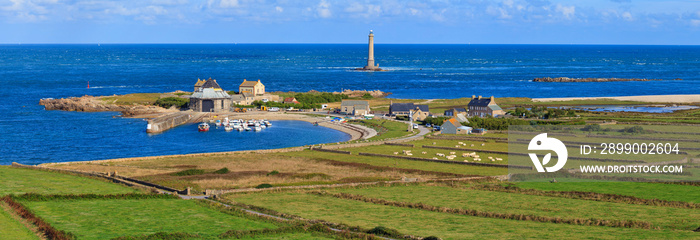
column 30, row 72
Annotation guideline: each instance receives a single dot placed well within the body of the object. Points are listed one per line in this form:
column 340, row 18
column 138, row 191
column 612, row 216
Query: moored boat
column 258, row 129
column 203, row 127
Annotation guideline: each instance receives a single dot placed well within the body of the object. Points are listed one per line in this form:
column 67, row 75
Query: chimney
column 473, row 96
column 258, row 80
column 479, row 97
column 492, row 100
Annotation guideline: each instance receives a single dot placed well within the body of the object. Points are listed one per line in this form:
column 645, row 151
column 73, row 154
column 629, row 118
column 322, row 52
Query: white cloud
column 567, row 11
column 695, row 22
column 627, row 16
column 323, row 9
column 228, row 3
column 279, row 9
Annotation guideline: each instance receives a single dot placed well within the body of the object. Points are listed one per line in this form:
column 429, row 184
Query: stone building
column 419, row 115
column 455, row 111
column 481, row 107
column 252, row 87
column 354, row 107
column 210, row 98
column 199, row 84
column 452, row 126
column 396, row 109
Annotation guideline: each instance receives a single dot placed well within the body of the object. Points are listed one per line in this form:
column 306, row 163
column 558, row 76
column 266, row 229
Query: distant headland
column 566, row 79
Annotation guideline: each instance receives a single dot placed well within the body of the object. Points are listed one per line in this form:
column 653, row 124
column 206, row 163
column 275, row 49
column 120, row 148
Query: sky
column 646, row 22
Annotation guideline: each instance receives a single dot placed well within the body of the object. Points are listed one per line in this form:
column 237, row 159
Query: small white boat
column 218, row 123
column 267, row 123
column 228, row 128
column 240, row 129
column 247, row 128
column 258, row 129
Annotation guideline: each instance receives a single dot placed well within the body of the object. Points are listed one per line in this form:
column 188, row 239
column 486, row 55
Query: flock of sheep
column 452, row 155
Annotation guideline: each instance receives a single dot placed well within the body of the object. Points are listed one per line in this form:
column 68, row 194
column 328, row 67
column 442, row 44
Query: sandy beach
column 689, row 98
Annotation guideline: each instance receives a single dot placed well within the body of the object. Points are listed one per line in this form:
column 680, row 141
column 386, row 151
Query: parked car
column 436, row 128
column 427, row 125
column 273, row 109
column 415, row 125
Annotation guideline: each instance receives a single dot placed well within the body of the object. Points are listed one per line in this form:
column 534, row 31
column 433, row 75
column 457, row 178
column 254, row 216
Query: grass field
column 18, row 181
column 104, row 219
column 11, row 228
column 669, row 192
column 674, row 218
column 402, row 163
column 134, row 98
column 386, row 129
column 246, row 170
column 444, row 225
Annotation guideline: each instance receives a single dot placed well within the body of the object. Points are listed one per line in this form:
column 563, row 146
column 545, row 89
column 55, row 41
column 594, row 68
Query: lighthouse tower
column 370, row 58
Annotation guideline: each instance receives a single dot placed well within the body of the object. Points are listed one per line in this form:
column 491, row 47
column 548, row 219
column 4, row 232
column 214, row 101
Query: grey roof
column 464, row 127
column 483, row 102
column 458, row 109
column 495, row 107
column 461, row 118
column 210, row 83
column 354, row 103
column 209, row 93
column 405, row 107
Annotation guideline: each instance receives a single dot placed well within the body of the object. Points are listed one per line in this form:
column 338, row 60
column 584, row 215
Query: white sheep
column 396, row 153
column 452, row 152
column 424, row 152
column 499, row 159
column 483, row 144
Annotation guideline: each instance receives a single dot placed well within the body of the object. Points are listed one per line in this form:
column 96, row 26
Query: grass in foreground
column 105, row 219
column 673, row 218
column 669, row 192
column 11, row 228
column 444, row 225
column 19, row 181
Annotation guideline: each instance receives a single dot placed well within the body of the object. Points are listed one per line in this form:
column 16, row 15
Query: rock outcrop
column 95, row 104
column 566, row 79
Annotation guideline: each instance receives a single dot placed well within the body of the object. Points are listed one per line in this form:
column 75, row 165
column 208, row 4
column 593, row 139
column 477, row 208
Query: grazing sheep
column 396, row 153
column 460, row 143
column 424, row 152
column 472, row 145
column 483, row 144
column 499, row 159
column 452, row 152
column 456, row 146
column 476, row 156
column 465, row 160
column 434, row 143
column 409, row 154
column 435, row 158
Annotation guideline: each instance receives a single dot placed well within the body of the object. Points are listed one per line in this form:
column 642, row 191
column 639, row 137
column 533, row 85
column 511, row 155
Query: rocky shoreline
column 95, row 104
column 566, row 79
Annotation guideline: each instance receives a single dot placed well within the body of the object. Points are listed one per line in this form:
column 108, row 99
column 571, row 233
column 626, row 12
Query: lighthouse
column 370, row 57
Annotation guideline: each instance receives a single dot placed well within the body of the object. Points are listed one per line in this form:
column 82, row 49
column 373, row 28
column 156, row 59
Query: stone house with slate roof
column 252, row 87
column 210, row 98
column 354, row 107
column 405, row 108
column 482, row 107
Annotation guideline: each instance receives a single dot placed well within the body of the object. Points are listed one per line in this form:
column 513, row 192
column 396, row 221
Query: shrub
column 432, row 238
column 273, row 173
column 592, row 128
column 188, row 172
column 172, row 101
column 264, row 185
column 384, row 231
column 367, row 96
column 222, row 171
column 633, row 130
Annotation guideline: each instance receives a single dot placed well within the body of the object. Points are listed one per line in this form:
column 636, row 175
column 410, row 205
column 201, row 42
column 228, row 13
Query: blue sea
column 31, row 135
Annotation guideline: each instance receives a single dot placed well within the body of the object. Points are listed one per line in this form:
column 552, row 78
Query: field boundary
column 443, row 161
